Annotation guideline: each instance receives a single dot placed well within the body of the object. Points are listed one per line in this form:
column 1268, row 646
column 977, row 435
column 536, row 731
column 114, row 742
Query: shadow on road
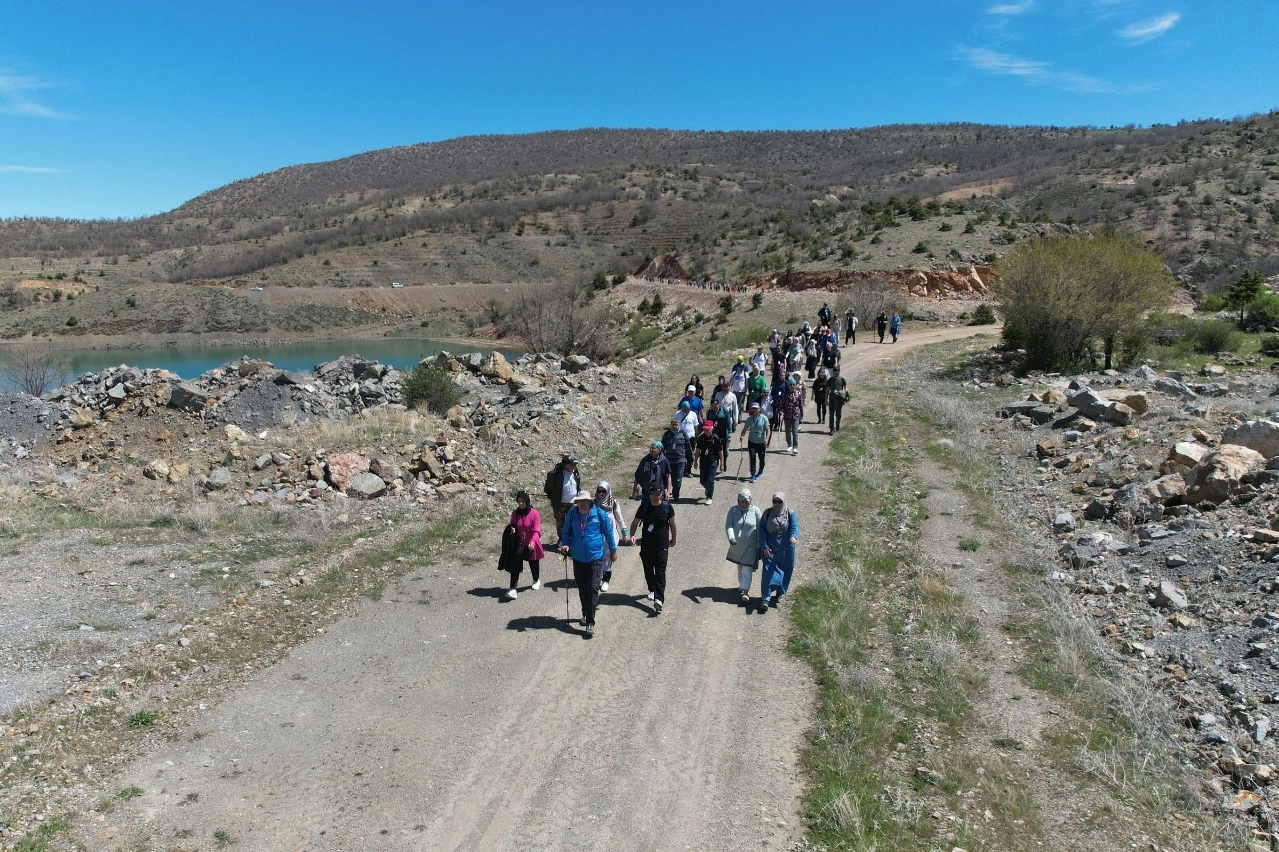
column 713, row 594
column 543, row 622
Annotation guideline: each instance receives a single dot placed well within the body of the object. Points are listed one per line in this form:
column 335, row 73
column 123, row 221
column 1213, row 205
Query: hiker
column 728, row 403
column 759, row 360
column 792, row 413
column 742, row 528
column 774, row 343
column 850, row 327
column 561, row 484
column 588, row 536
column 695, row 382
column 820, row 391
column 526, row 527
column 710, row 457
column 881, row 325
column 756, row 387
column 654, row 469
column 613, row 511
column 723, row 422
column 824, row 315
column 758, row 435
column 811, row 357
column 694, row 401
column 895, row 326
column 655, row 521
column 837, row 389
column 675, row 445
column 738, row 377
column 778, row 534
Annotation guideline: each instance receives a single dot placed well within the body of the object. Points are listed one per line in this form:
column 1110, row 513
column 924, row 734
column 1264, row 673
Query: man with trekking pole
column 588, row 536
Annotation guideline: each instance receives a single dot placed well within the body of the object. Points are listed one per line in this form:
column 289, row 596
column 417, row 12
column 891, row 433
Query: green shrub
column 1212, row 303
column 1216, row 336
column 73, row 321
column 432, row 386
column 1169, row 329
column 644, row 337
column 726, row 304
column 921, row 247
column 143, row 719
column 1268, row 344
column 984, row 315
column 1264, row 310
column 757, row 299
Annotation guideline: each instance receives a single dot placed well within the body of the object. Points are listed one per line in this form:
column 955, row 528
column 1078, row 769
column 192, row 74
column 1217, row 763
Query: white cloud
column 1034, row 72
column 16, row 96
column 1011, row 8
column 31, row 170
column 1146, row 30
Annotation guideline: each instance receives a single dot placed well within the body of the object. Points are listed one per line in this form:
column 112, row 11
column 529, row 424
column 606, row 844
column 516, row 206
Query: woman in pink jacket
column 528, row 532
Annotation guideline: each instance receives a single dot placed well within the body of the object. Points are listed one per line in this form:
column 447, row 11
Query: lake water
column 190, row 361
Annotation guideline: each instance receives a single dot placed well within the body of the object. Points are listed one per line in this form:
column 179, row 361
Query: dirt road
column 445, row 718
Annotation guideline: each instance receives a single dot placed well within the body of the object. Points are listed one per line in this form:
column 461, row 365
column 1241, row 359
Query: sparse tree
column 1247, row 288
column 562, row 320
column 1060, row 295
column 35, row 370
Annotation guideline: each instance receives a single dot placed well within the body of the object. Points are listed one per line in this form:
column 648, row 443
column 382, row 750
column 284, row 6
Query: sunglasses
column 777, row 502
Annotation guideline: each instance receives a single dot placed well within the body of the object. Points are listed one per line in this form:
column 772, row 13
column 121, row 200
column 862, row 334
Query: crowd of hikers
column 761, row 394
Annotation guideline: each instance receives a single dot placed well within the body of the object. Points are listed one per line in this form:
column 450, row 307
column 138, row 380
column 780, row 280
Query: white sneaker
column 708, row 502
column 512, row 594
column 794, row 450
column 604, row 586
column 657, row 605
column 537, row 584
column 650, row 596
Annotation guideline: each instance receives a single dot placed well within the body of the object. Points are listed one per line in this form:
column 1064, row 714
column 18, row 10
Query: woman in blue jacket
column 778, row 533
column 588, row 535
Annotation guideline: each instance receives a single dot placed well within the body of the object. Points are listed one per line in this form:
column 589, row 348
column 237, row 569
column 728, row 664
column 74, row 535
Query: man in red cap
column 711, row 455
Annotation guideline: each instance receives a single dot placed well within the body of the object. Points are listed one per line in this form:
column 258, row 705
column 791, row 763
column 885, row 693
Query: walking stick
column 738, row 475
column 567, row 617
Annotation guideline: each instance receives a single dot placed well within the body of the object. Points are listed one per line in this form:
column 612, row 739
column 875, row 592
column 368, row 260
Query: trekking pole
column 567, row 617
column 738, row 475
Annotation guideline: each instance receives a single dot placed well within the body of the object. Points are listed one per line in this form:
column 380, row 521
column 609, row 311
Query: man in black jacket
column 562, row 484
column 675, row 446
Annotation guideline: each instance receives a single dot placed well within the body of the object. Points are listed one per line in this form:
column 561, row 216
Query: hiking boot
column 657, row 606
column 511, row 594
column 537, row 584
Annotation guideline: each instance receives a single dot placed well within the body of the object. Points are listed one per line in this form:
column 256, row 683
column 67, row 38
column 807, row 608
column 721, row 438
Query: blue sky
column 127, row 108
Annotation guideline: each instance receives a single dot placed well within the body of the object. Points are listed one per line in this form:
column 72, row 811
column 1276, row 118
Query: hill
column 565, row 206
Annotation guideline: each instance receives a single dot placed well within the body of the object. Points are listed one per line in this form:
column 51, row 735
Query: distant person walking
column 526, row 531
column 895, row 326
column 758, row 435
column 654, row 521
column 850, row 327
column 792, row 414
column 881, row 325
column 742, row 529
column 820, row 391
column 562, row 483
column 779, row 533
column 837, row 395
column 588, row 536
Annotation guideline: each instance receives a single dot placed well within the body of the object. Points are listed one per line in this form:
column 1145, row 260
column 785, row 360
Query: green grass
column 39, row 840
column 129, row 793
column 740, row 338
column 143, row 719
column 968, row 544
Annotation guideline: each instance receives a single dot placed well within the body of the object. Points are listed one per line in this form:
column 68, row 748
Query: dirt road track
column 472, row 723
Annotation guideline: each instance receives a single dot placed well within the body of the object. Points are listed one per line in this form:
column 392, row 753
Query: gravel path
column 474, row 723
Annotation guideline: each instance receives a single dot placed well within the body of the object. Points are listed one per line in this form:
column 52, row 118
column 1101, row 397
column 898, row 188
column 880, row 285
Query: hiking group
column 591, row 527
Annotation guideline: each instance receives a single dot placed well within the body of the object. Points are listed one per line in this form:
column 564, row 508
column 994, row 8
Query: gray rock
column 187, row 397
column 576, row 363
column 1064, row 522
column 1168, row 596
column 218, row 480
column 1170, row 385
column 366, row 486
column 1096, row 510
column 118, row 393
column 262, row 461
column 1259, row 435
column 1145, row 372
column 1176, row 560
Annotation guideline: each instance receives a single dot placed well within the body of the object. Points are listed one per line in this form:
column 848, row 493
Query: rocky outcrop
column 966, row 282
column 663, row 268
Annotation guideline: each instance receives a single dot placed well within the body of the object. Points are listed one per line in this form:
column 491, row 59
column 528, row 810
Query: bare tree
column 35, row 370
column 562, row 319
column 871, row 296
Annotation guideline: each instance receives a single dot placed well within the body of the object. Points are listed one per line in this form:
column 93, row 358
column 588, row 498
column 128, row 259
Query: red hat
column 707, row 425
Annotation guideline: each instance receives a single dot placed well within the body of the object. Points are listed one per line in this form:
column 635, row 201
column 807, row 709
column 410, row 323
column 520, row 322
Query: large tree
column 1063, row 297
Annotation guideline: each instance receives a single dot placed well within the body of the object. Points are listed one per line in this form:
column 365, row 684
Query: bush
column 73, row 321
column 984, row 315
column 1212, row 303
column 1269, row 345
column 757, row 299
column 726, row 304
column 432, row 386
column 1264, row 310
column 644, row 337
column 1216, row 336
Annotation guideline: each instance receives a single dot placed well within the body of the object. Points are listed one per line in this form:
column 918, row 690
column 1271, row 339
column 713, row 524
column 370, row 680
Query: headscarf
column 528, row 504
column 744, row 494
column 778, row 519
column 606, row 502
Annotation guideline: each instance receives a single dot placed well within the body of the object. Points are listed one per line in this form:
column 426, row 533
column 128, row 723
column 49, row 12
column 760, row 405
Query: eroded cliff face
column 963, row 282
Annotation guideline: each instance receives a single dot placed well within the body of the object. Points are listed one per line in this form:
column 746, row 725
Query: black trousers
column 756, row 451
column 588, row 576
column 654, row 560
column 534, row 567
column 836, row 414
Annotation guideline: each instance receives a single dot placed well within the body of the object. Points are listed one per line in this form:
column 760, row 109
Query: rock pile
column 1164, row 493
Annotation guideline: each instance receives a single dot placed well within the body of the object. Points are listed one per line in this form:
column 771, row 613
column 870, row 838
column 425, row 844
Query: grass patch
column 741, row 338
column 968, row 544
column 143, row 719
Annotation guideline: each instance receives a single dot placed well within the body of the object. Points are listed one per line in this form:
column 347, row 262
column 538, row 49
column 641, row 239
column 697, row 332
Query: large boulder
column 366, row 486
column 1165, row 489
column 187, row 397
column 342, row 468
column 1220, row 475
column 1259, row 435
column 496, row 367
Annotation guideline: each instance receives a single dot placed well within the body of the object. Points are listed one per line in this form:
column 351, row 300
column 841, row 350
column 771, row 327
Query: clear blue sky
column 130, row 107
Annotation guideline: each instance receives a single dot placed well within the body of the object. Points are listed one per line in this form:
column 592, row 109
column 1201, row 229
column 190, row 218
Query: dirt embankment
column 964, row 282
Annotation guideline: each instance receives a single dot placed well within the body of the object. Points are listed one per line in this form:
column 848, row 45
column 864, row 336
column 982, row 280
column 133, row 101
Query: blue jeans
column 710, row 469
column 677, row 477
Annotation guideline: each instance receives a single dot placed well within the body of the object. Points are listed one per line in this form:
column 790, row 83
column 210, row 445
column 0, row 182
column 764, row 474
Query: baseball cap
column 707, row 425
column 692, row 388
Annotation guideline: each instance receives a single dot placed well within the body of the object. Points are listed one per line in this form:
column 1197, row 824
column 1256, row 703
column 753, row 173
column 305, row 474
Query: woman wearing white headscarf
column 612, row 511
column 778, row 533
column 742, row 528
